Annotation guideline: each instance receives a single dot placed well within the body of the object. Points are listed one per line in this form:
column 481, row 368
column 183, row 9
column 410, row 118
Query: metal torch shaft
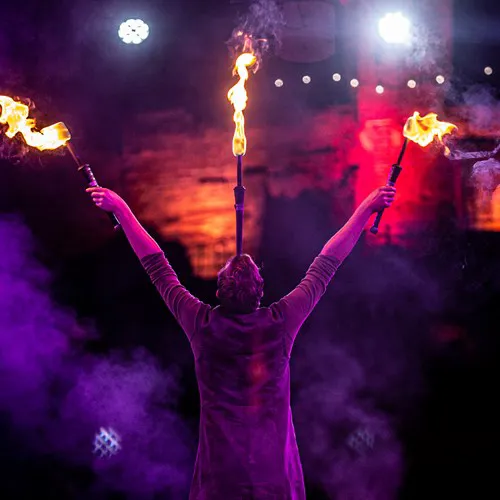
column 239, row 205
column 402, row 152
column 391, row 181
column 87, row 173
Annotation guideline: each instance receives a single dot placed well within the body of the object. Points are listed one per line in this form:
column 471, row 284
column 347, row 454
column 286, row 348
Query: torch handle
column 402, row 152
column 239, row 199
column 87, row 173
column 393, row 177
column 239, row 204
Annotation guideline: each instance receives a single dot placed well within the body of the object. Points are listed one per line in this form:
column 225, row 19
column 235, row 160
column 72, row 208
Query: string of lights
column 412, row 83
column 394, row 28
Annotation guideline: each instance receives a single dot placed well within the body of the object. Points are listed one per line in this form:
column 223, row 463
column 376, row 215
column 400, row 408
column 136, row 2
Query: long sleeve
column 187, row 310
column 295, row 307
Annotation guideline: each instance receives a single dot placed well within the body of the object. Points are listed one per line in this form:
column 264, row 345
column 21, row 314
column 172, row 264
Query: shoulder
column 275, row 311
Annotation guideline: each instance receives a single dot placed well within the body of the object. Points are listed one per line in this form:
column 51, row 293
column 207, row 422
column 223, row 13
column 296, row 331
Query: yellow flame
column 238, row 97
column 423, row 129
column 15, row 115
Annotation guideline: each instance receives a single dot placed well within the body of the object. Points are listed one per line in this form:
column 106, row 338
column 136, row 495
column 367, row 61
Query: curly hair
column 240, row 285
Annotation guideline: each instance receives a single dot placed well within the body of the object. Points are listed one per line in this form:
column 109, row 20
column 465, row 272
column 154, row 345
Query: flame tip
column 15, row 115
column 238, row 97
column 423, row 129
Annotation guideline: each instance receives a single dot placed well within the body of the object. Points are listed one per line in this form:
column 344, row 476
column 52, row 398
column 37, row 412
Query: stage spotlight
column 488, row 71
column 336, row 77
column 278, row 82
column 412, row 84
column 306, row 79
column 395, row 28
column 354, row 83
column 440, row 79
column 133, row 31
column 379, row 89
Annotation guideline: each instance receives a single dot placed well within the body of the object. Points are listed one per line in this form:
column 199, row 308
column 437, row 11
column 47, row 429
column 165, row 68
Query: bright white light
column 354, row 82
column 395, row 28
column 106, row 442
column 379, row 89
column 440, row 79
column 133, row 31
column 306, row 79
column 278, row 83
column 412, row 84
column 336, row 77
column 488, row 70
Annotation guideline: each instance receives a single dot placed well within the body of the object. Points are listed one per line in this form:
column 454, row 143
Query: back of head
column 240, row 285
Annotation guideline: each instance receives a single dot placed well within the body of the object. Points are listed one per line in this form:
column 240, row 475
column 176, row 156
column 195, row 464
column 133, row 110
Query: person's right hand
column 106, row 199
column 381, row 198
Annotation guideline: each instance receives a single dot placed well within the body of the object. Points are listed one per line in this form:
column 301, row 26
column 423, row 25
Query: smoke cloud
column 261, row 27
column 481, row 107
column 13, row 151
column 351, row 447
column 358, row 373
column 485, row 179
column 134, row 397
column 457, row 154
column 58, row 396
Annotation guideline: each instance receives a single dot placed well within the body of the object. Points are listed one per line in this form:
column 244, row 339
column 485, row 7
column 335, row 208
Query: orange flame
column 238, row 97
column 423, row 129
column 15, row 115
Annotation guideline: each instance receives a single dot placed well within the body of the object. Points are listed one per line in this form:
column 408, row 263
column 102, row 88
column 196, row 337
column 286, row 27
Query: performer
column 247, row 447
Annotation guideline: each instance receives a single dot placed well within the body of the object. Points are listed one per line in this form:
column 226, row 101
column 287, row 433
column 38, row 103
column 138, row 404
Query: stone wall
column 179, row 176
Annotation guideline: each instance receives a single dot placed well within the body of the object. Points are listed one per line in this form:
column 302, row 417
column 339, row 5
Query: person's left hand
column 106, row 199
column 381, row 198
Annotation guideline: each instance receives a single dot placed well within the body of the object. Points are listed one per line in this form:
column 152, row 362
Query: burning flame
column 238, row 97
column 423, row 129
column 15, row 115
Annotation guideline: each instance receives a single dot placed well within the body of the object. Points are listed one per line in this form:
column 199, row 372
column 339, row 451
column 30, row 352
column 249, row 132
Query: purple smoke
column 351, row 448
column 58, row 397
column 129, row 395
column 456, row 154
column 481, row 111
column 262, row 24
column 34, row 334
column 481, row 108
column 485, row 179
column 358, row 374
column 486, row 174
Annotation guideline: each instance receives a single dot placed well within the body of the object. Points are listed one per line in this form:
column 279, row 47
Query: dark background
column 67, row 57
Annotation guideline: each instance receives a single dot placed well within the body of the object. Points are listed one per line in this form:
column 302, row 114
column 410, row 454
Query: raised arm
column 295, row 307
column 342, row 242
column 140, row 241
column 188, row 310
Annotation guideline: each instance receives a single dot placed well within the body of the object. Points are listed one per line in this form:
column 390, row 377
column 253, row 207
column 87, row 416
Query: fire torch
column 88, row 175
column 15, row 114
column 238, row 97
column 421, row 130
